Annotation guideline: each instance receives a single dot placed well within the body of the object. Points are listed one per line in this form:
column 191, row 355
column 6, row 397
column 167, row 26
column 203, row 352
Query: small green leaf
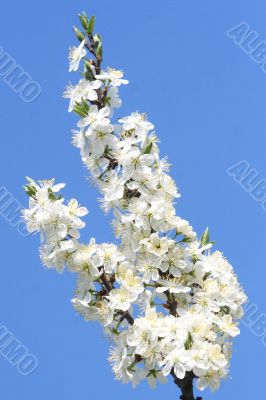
column 80, row 35
column 99, row 50
column 84, row 20
column 87, row 24
column 88, row 71
column 115, row 331
column 205, row 238
column 189, row 341
column 79, row 111
column 82, row 109
column 147, row 150
column 91, row 25
column 52, row 196
column 30, row 190
column 186, row 239
column 98, row 45
column 206, row 276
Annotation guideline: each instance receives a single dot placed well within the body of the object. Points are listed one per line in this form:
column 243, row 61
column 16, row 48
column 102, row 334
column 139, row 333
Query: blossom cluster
column 58, row 223
column 169, row 305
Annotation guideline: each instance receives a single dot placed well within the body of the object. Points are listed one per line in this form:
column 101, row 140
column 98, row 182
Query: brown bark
column 186, row 386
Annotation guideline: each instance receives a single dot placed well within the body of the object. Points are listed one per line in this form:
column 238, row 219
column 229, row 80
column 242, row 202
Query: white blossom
column 95, row 117
column 84, row 90
column 113, row 75
column 75, row 56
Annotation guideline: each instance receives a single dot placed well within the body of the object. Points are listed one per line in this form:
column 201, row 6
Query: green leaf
column 84, row 20
column 115, row 331
column 205, row 238
column 82, row 109
column 52, row 196
column 206, row 276
column 88, row 71
column 91, row 25
column 189, row 341
column 147, row 150
column 30, row 191
column 186, row 239
column 80, row 35
column 98, row 45
column 87, row 24
column 99, row 50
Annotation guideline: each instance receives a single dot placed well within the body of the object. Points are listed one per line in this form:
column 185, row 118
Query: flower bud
column 79, row 34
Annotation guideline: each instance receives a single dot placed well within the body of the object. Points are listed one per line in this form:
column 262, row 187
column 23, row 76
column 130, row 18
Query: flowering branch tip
column 169, row 305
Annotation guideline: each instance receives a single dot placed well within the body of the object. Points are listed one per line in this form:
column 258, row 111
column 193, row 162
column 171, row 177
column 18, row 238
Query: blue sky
column 207, row 99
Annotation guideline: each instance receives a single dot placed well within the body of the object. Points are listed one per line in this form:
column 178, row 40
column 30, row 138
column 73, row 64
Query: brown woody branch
column 108, row 286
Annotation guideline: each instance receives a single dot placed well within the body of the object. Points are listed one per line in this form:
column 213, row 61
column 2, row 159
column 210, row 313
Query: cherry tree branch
column 186, row 384
column 108, row 286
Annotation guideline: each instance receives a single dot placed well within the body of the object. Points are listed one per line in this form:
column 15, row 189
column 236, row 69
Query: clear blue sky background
column 207, row 99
